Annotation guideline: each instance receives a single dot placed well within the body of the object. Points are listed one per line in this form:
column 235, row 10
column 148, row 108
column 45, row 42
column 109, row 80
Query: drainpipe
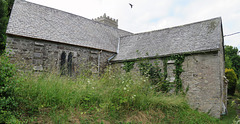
column 99, row 59
column 109, row 59
column 118, row 45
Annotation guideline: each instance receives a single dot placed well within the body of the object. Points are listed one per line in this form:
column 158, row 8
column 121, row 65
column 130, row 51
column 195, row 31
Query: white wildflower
column 124, row 88
column 133, row 96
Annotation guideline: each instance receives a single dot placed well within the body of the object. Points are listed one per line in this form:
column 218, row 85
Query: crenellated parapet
column 107, row 20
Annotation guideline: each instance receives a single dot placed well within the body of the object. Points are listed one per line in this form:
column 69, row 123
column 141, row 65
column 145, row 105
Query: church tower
column 107, row 21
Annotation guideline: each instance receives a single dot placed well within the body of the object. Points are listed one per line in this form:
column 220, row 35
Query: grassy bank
column 110, row 98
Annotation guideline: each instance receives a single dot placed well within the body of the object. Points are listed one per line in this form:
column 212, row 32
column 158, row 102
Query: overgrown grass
column 228, row 119
column 110, row 98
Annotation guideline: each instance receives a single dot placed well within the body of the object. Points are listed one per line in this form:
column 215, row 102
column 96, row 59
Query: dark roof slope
column 40, row 22
column 195, row 37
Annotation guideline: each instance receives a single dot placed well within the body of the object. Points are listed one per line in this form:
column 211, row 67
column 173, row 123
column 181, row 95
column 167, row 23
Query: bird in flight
column 130, row 5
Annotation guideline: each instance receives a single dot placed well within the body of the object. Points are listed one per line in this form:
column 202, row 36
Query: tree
column 232, row 78
column 5, row 11
column 232, row 59
column 228, row 62
column 10, row 5
column 3, row 24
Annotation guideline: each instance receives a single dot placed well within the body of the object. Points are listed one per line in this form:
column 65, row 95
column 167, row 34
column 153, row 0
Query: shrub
column 7, row 84
column 238, row 86
column 232, row 77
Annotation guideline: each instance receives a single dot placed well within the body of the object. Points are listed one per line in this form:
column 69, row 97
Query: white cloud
column 149, row 15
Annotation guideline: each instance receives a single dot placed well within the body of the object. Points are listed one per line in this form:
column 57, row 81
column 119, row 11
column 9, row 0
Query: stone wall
column 39, row 55
column 203, row 76
column 203, row 72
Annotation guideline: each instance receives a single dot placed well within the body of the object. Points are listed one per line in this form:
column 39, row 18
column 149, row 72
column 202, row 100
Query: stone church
column 43, row 37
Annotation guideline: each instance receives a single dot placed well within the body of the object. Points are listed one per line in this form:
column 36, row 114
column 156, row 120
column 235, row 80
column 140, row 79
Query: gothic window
column 62, row 63
column 69, row 64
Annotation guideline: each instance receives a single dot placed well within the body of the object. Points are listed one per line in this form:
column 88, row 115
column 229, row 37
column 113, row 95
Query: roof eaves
column 61, row 42
column 166, row 55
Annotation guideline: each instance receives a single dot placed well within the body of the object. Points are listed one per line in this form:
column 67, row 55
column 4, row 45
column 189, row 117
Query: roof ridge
column 193, row 23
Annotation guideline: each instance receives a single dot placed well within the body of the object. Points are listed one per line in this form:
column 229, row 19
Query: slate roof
column 40, row 22
column 195, row 37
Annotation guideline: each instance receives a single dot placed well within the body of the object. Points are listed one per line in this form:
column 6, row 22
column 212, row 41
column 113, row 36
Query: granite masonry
column 40, row 38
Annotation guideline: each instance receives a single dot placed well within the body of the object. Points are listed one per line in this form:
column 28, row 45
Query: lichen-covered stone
column 43, row 55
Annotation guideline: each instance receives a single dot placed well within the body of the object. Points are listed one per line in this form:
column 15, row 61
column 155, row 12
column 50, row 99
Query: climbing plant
column 158, row 79
column 179, row 59
column 165, row 68
column 128, row 66
column 153, row 72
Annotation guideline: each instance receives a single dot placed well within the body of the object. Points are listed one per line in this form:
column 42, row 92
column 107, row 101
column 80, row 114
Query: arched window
column 69, row 64
column 62, row 63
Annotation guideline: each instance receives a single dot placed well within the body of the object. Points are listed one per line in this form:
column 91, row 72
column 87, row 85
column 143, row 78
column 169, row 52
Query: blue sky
column 147, row 15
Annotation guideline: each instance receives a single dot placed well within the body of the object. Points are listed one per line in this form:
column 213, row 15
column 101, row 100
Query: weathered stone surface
column 39, row 44
column 202, row 76
column 37, row 68
column 45, row 55
column 171, row 62
column 37, row 55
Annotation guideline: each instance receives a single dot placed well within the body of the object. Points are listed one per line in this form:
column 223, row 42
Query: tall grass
column 111, row 97
column 106, row 92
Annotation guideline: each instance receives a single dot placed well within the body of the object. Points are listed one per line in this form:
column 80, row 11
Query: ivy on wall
column 179, row 59
column 157, row 78
column 153, row 71
column 165, row 60
column 128, row 66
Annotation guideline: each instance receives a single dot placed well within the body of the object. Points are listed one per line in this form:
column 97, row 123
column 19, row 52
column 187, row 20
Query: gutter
column 160, row 56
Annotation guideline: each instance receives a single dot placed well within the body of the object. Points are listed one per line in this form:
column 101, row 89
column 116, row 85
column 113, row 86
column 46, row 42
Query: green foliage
column 238, row 86
column 7, row 86
column 179, row 59
column 10, row 5
column 232, row 59
column 5, row 10
column 228, row 62
column 232, row 78
column 236, row 64
column 112, row 93
column 3, row 24
column 153, row 72
column 150, row 70
column 165, row 68
column 128, row 66
column 113, row 97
